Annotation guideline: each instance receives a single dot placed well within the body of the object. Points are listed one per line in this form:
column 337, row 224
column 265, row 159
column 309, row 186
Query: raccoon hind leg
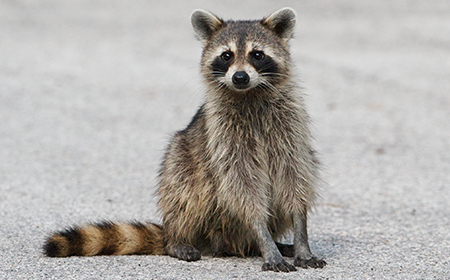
column 286, row 250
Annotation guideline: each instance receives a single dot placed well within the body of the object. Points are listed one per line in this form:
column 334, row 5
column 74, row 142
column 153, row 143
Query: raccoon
column 242, row 174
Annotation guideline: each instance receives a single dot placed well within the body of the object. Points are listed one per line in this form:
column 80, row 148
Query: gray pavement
column 90, row 92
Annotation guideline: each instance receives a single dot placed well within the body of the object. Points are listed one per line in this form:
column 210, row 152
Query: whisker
column 268, row 86
column 270, row 65
column 274, row 74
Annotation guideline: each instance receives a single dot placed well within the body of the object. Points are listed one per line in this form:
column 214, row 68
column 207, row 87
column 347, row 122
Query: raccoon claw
column 312, row 262
column 282, row 266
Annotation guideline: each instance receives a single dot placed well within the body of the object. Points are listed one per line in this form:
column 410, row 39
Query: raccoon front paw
column 282, row 266
column 312, row 262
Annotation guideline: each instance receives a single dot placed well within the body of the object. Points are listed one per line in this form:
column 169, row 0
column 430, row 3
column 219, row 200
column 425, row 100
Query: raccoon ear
column 205, row 24
column 281, row 22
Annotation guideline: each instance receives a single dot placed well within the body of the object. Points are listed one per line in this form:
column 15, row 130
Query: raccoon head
column 245, row 55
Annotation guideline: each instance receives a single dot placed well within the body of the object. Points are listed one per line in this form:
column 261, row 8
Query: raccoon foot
column 183, row 252
column 280, row 266
column 312, row 262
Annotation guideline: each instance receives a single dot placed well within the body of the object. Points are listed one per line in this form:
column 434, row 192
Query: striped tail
column 106, row 238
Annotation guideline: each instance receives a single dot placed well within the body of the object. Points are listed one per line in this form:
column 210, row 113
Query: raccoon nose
column 241, row 78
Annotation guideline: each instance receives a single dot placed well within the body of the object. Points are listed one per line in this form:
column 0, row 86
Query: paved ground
column 90, row 92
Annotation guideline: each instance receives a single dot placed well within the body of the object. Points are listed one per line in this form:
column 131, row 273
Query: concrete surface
column 90, row 92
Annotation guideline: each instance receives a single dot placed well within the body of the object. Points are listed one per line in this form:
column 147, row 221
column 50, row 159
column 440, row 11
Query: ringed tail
column 106, row 238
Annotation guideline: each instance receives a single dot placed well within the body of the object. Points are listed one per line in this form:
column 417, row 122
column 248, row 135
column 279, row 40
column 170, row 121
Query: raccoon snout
column 241, row 79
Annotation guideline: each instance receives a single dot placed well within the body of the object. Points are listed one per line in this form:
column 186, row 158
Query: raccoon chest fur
column 261, row 149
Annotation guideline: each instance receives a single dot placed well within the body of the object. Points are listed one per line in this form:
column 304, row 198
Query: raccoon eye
column 258, row 55
column 226, row 56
